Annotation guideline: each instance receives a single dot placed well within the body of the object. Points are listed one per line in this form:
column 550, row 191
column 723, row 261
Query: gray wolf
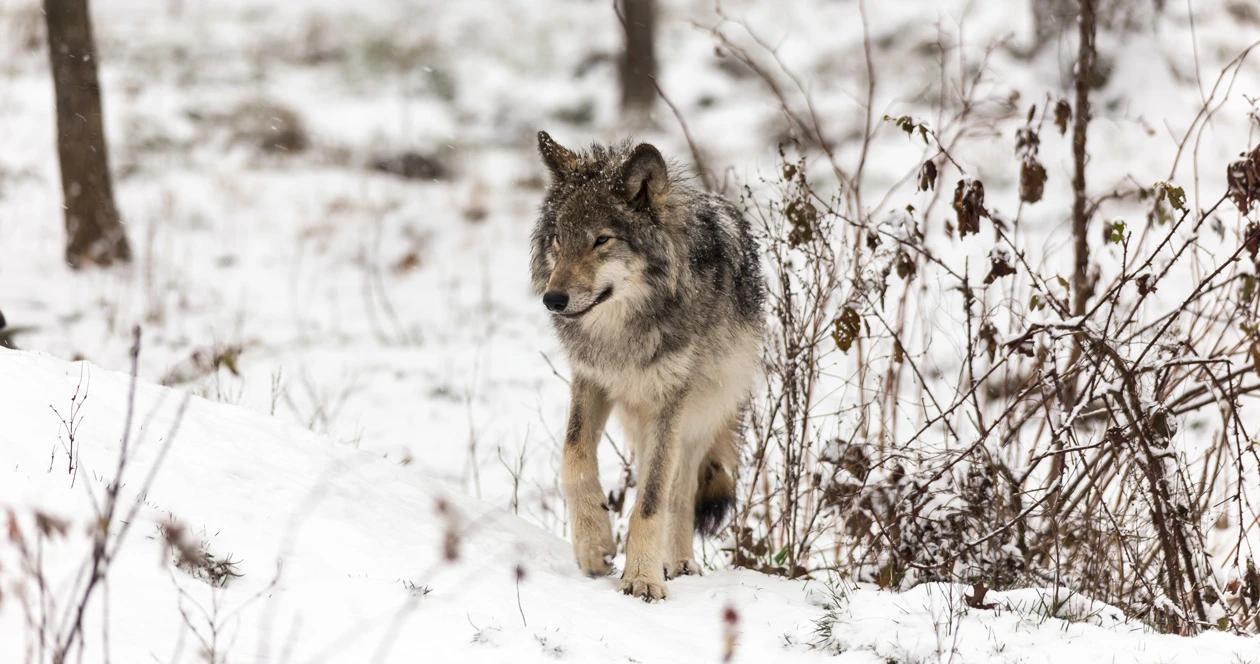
column 656, row 294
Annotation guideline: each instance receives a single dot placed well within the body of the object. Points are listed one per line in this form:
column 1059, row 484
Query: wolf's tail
column 715, row 495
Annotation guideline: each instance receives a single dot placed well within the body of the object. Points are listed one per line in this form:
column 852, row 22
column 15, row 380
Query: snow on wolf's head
column 600, row 250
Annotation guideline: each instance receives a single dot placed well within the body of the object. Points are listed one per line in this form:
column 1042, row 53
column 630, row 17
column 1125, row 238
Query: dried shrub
column 1052, row 451
column 412, row 165
column 191, row 554
column 268, row 126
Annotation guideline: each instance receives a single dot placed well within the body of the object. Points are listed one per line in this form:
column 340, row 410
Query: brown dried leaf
column 1062, row 115
column 803, row 216
column 50, row 525
column 969, row 205
column 1027, row 140
column 406, row 263
column 15, row 532
column 1032, row 180
column 1252, row 578
column 906, row 267
column 846, row 328
column 999, row 265
column 976, row 599
column 1243, row 179
column 927, row 176
column 1252, row 240
column 988, row 334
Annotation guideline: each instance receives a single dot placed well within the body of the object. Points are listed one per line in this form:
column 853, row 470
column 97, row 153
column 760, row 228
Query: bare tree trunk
column 94, row 232
column 1081, row 288
column 638, row 61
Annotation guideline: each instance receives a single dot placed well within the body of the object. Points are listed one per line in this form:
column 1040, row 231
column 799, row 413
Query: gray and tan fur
column 656, row 294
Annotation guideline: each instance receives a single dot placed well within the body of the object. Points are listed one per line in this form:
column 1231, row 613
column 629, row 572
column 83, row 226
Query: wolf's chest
column 627, row 379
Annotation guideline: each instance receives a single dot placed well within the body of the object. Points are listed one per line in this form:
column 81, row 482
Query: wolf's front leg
column 648, row 546
column 579, row 476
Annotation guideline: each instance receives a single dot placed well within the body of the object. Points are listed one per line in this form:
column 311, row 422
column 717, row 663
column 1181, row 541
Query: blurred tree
column 638, row 61
column 1050, row 19
column 94, row 232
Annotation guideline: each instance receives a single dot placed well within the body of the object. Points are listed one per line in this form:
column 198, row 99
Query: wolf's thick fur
column 657, row 296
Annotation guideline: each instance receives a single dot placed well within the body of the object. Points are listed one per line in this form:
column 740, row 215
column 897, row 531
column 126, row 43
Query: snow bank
column 347, row 556
column 341, row 545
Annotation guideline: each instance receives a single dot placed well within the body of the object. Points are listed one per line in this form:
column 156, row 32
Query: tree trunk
column 638, row 62
column 1081, row 287
column 94, row 232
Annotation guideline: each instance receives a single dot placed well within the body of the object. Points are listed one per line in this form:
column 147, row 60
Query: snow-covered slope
column 392, row 317
column 346, row 556
column 349, row 540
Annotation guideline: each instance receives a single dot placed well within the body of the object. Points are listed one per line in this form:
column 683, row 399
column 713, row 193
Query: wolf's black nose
column 555, row 300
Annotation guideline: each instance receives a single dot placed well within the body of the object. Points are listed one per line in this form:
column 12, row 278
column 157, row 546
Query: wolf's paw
column 595, row 559
column 681, row 568
column 643, row 586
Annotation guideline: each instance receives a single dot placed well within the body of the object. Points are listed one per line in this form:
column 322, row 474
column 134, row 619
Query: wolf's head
column 598, row 240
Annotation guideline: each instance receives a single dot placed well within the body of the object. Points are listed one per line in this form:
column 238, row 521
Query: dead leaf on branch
column 906, row 267
column 1243, row 179
column 1062, row 115
column 969, row 205
column 1032, row 180
column 999, row 265
column 847, row 327
column 988, row 334
column 1252, row 239
column 908, row 125
column 927, row 176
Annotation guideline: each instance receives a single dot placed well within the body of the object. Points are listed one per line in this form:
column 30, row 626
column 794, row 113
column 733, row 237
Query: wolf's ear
column 558, row 158
column 643, row 177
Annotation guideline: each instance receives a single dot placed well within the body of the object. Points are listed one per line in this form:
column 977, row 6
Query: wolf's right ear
column 643, row 177
column 560, row 161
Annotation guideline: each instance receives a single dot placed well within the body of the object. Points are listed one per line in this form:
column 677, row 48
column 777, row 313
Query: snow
column 334, row 546
column 333, row 538
column 368, row 387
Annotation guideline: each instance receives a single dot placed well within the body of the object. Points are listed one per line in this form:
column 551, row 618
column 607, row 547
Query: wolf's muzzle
column 559, row 310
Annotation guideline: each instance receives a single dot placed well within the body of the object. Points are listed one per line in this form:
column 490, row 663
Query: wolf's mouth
column 599, row 299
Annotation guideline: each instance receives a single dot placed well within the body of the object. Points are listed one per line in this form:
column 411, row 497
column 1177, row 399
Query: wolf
column 655, row 292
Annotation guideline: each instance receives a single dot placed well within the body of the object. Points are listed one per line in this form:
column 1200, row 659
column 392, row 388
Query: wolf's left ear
column 643, row 177
column 558, row 158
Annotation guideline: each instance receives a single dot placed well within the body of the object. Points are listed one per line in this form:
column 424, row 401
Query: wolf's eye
column 602, row 240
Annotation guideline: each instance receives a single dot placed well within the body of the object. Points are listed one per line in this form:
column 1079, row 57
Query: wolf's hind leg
column 579, row 476
column 682, row 511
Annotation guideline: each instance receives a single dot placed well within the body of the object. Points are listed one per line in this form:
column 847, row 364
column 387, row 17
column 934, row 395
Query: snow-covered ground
column 379, row 349
column 347, row 557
